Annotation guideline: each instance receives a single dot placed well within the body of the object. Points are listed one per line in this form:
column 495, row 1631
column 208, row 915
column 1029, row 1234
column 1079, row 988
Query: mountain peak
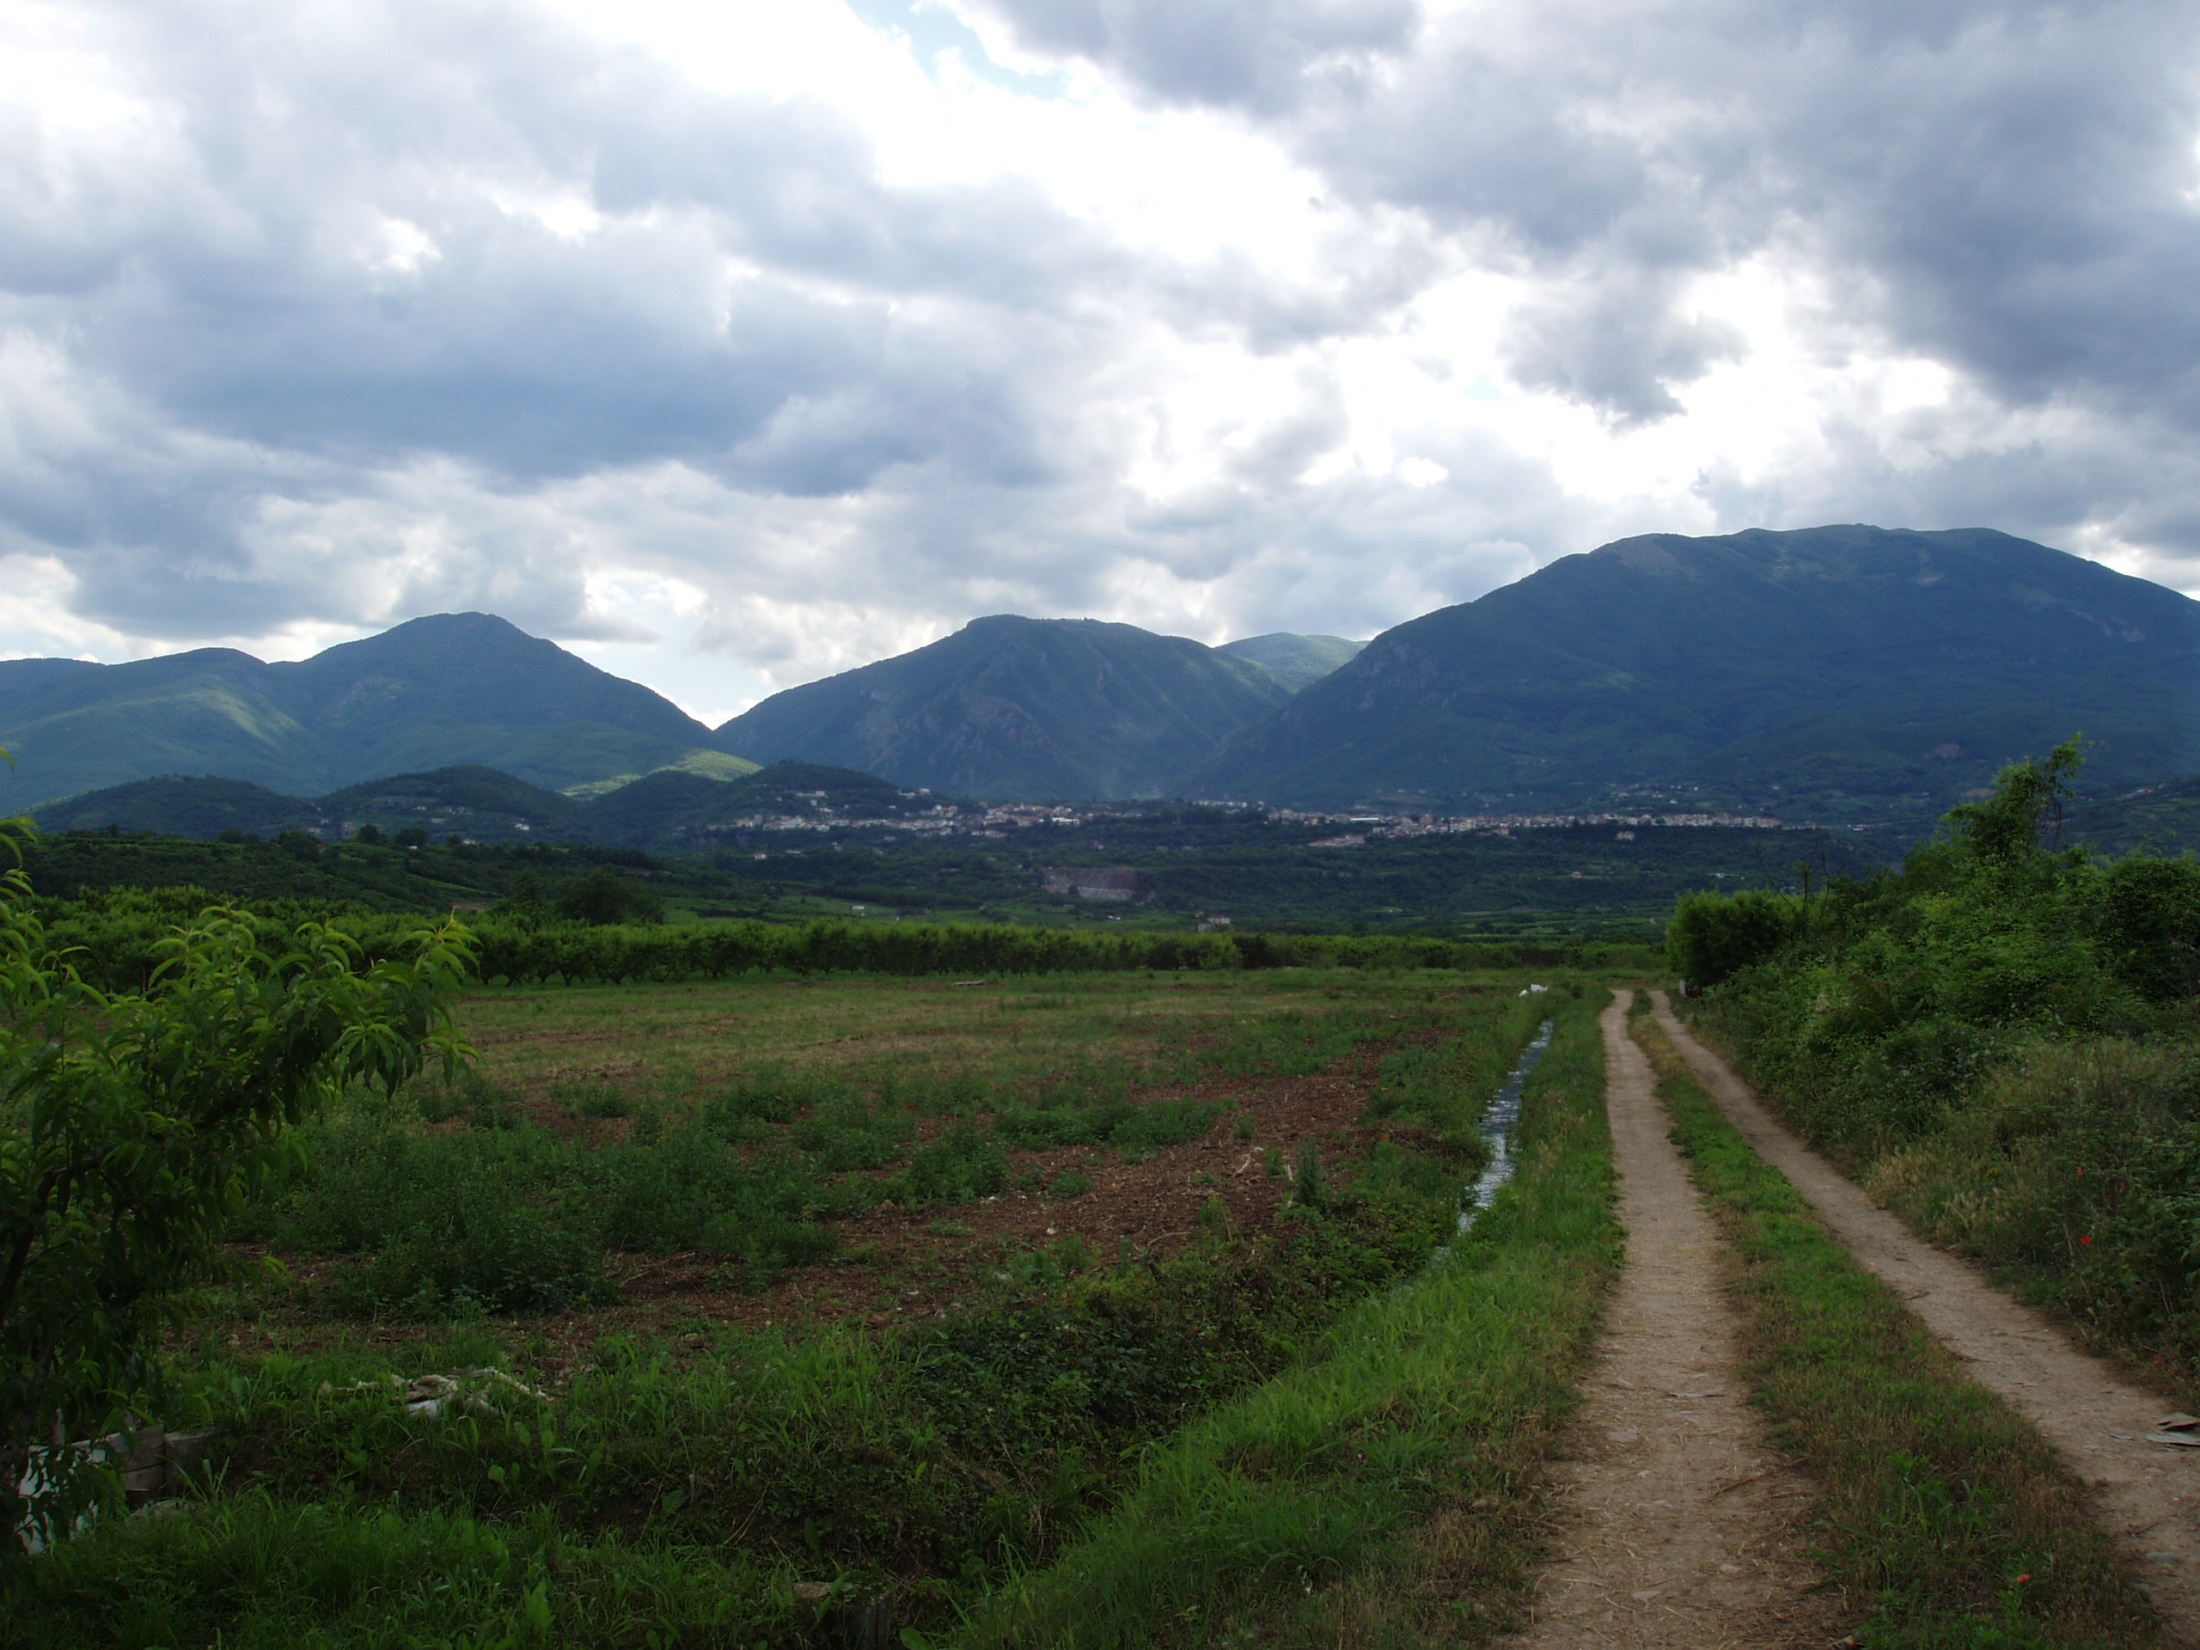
column 1019, row 709
column 449, row 688
column 1833, row 669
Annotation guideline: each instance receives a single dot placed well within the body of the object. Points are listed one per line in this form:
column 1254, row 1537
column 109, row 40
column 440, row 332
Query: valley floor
column 1118, row 1310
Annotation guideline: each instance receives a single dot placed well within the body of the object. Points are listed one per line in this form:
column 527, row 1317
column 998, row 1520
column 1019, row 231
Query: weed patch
column 1380, row 1490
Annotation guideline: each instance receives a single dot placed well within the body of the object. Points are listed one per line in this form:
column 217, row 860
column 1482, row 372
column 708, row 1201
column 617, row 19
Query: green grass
column 691, row 1470
column 507, row 1188
column 1941, row 1511
column 685, row 1489
column 1383, row 1490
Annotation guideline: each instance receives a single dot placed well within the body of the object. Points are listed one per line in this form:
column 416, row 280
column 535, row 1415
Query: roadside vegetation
column 1384, row 1489
column 1999, row 1040
column 781, row 1306
column 1945, row 1516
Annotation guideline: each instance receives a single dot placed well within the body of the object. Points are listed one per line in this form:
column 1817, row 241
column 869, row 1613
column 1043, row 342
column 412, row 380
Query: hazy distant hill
column 176, row 806
column 456, row 688
column 1020, row 709
column 1300, row 661
column 2155, row 819
column 667, row 809
column 1838, row 671
column 672, row 810
column 469, row 800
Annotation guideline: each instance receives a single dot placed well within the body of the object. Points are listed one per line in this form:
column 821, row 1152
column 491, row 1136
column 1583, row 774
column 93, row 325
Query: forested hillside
column 1020, row 710
column 1836, row 674
column 453, row 689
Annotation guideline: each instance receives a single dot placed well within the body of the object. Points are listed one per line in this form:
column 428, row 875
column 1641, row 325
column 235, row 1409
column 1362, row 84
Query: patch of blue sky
column 933, row 31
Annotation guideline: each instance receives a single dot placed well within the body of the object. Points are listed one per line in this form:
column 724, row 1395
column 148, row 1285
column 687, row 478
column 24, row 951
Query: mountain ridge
column 1839, row 666
column 1019, row 710
column 1846, row 673
column 438, row 691
column 1299, row 661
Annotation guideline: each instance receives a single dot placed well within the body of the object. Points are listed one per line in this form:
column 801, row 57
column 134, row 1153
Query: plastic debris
column 432, row 1395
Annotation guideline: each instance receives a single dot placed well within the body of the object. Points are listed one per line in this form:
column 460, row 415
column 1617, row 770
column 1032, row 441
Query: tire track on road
column 1678, row 1525
column 2148, row 1494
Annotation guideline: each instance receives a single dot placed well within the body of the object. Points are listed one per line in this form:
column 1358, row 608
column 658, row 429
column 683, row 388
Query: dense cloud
column 1256, row 54
column 1219, row 317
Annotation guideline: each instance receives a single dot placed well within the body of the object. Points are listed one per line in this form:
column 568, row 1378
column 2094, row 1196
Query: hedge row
column 117, row 942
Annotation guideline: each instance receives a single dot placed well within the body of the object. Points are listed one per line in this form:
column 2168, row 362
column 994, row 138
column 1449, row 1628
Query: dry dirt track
column 2148, row 1494
column 1676, row 1524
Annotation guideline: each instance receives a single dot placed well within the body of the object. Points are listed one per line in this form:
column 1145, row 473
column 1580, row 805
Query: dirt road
column 2149, row 1494
column 1677, row 1524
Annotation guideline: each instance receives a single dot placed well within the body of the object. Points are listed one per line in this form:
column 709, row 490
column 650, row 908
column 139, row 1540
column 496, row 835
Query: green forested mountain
column 453, row 689
column 1843, row 674
column 1838, row 672
column 1300, row 661
column 1020, row 709
column 189, row 807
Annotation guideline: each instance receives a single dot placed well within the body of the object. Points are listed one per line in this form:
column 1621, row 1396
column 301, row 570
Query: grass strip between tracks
column 1384, row 1491
column 1946, row 1515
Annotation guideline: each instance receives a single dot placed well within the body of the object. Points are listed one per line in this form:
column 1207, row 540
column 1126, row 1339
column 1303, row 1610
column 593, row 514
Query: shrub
column 1310, row 1186
column 602, row 898
column 2150, row 925
column 960, row 1166
column 133, row 1127
column 1715, row 936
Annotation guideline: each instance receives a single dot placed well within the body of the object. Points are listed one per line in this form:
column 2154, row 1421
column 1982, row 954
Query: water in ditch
column 1497, row 1128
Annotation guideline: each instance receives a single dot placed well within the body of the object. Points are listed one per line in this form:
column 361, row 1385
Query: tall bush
column 1714, row 936
column 133, row 1125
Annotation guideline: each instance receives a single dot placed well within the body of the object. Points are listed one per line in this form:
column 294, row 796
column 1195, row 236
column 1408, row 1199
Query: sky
column 734, row 344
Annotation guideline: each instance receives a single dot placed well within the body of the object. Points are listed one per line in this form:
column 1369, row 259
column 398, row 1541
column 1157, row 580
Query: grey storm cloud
column 313, row 340
column 226, row 287
column 2008, row 187
column 250, row 314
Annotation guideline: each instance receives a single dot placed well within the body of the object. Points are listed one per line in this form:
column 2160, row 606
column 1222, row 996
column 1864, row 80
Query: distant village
column 999, row 821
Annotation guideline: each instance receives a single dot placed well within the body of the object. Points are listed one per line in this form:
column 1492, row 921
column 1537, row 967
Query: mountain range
column 453, row 689
column 1836, row 673
column 1022, row 710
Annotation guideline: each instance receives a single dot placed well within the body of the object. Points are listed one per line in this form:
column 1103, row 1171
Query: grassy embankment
column 1941, row 1511
column 1382, row 1491
column 696, row 1479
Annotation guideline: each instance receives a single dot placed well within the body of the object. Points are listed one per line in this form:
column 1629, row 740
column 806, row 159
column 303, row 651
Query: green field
column 833, row 1297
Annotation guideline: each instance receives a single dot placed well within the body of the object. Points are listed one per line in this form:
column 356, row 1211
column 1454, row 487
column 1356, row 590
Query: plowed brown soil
column 899, row 1265
column 2148, row 1493
column 1677, row 1523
